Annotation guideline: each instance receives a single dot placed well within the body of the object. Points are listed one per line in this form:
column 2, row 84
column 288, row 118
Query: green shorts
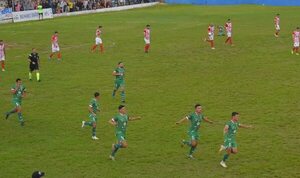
column 93, row 118
column 230, row 143
column 120, row 137
column 119, row 84
column 17, row 103
column 194, row 135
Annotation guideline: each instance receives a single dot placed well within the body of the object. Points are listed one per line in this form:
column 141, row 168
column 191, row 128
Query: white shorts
column 147, row 41
column 211, row 37
column 228, row 34
column 55, row 48
column 296, row 44
column 2, row 58
column 98, row 41
column 277, row 27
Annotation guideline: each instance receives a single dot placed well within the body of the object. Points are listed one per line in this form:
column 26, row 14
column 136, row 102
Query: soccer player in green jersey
column 93, row 109
column 230, row 130
column 19, row 91
column 120, row 122
column 119, row 82
column 195, row 118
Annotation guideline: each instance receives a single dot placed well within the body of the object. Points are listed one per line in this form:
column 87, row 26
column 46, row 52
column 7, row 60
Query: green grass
column 258, row 77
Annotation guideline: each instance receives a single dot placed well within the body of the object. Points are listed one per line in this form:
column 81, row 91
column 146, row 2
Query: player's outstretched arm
column 134, row 118
column 246, row 126
column 207, row 120
column 112, row 122
column 181, row 120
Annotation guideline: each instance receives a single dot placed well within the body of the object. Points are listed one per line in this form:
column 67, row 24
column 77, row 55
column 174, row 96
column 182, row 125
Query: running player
column 2, row 55
column 119, row 72
column 19, row 92
column 277, row 26
column 296, row 39
column 230, row 130
column 147, row 38
column 210, row 31
column 98, row 40
column 93, row 109
column 228, row 27
column 34, row 62
column 120, row 122
column 195, row 118
column 55, row 46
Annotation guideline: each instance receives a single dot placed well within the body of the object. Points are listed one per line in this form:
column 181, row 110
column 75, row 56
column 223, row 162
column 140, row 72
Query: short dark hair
column 121, row 106
column 147, row 25
column 18, row 79
column 234, row 114
column 100, row 26
column 96, row 94
column 56, row 32
column 120, row 62
column 298, row 28
column 277, row 14
column 228, row 19
column 196, row 105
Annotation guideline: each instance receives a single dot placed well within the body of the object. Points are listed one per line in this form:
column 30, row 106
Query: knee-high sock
column 117, row 146
column 58, row 55
column 20, row 117
column 94, row 47
column 93, row 131
column 123, row 95
column 192, row 150
column 101, row 47
column 37, row 76
column 30, row 75
column 225, row 157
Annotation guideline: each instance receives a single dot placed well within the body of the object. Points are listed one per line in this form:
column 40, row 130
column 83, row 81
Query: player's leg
column 116, row 87
column 101, row 45
column 95, row 45
column 194, row 143
column 31, row 69
column 19, row 111
column 2, row 63
column 94, row 125
column 297, row 48
column 58, row 54
column 38, row 75
column 14, row 110
column 122, row 143
column 147, row 45
column 122, row 88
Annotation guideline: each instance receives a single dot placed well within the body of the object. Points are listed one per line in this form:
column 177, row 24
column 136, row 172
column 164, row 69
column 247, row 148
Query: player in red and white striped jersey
column 98, row 40
column 228, row 27
column 2, row 55
column 277, row 26
column 296, row 39
column 147, row 38
column 55, row 46
column 211, row 31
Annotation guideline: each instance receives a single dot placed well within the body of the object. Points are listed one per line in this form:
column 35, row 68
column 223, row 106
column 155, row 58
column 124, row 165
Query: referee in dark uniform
column 34, row 61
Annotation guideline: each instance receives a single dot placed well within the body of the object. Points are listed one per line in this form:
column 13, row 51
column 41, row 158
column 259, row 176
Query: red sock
column 59, row 55
column 227, row 40
column 51, row 55
column 94, row 47
column 3, row 65
column 101, row 47
column 230, row 41
column 147, row 47
column 297, row 49
column 212, row 43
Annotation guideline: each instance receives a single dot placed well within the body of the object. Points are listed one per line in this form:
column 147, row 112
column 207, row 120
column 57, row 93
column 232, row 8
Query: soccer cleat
column 6, row 115
column 292, row 51
column 222, row 147
column 111, row 157
column 3, row 70
column 297, row 54
column 95, row 138
column 223, row 164
column 82, row 125
column 275, row 35
column 190, row 156
column 213, row 48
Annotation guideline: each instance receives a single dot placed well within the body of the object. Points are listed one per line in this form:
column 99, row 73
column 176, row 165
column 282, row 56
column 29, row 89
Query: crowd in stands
column 62, row 6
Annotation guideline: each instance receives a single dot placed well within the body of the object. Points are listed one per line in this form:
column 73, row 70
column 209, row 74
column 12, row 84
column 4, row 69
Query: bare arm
column 134, row 118
column 91, row 110
column 112, row 122
column 207, row 120
column 182, row 120
column 246, row 126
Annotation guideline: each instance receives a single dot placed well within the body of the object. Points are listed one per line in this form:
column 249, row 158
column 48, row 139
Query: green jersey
column 121, row 121
column 19, row 92
column 232, row 129
column 196, row 120
column 120, row 70
column 40, row 9
column 94, row 105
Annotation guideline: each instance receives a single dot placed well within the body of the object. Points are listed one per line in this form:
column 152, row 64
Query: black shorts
column 33, row 67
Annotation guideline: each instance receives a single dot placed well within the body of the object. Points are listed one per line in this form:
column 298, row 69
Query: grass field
column 258, row 77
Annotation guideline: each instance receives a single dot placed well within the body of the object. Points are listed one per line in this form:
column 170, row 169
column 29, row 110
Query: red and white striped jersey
column 147, row 33
column 2, row 50
column 98, row 33
column 296, row 36
column 54, row 39
column 228, row 26
column 276, row 20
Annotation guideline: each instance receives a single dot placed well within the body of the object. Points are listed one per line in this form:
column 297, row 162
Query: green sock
column 114, row 93
column 37, row 76
column 94, row 131
column 20, row 117
column 30, row 75
column 123, row 95
column 225, row 157
column 192, row 150
column 88, row 123
column 117, row 146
